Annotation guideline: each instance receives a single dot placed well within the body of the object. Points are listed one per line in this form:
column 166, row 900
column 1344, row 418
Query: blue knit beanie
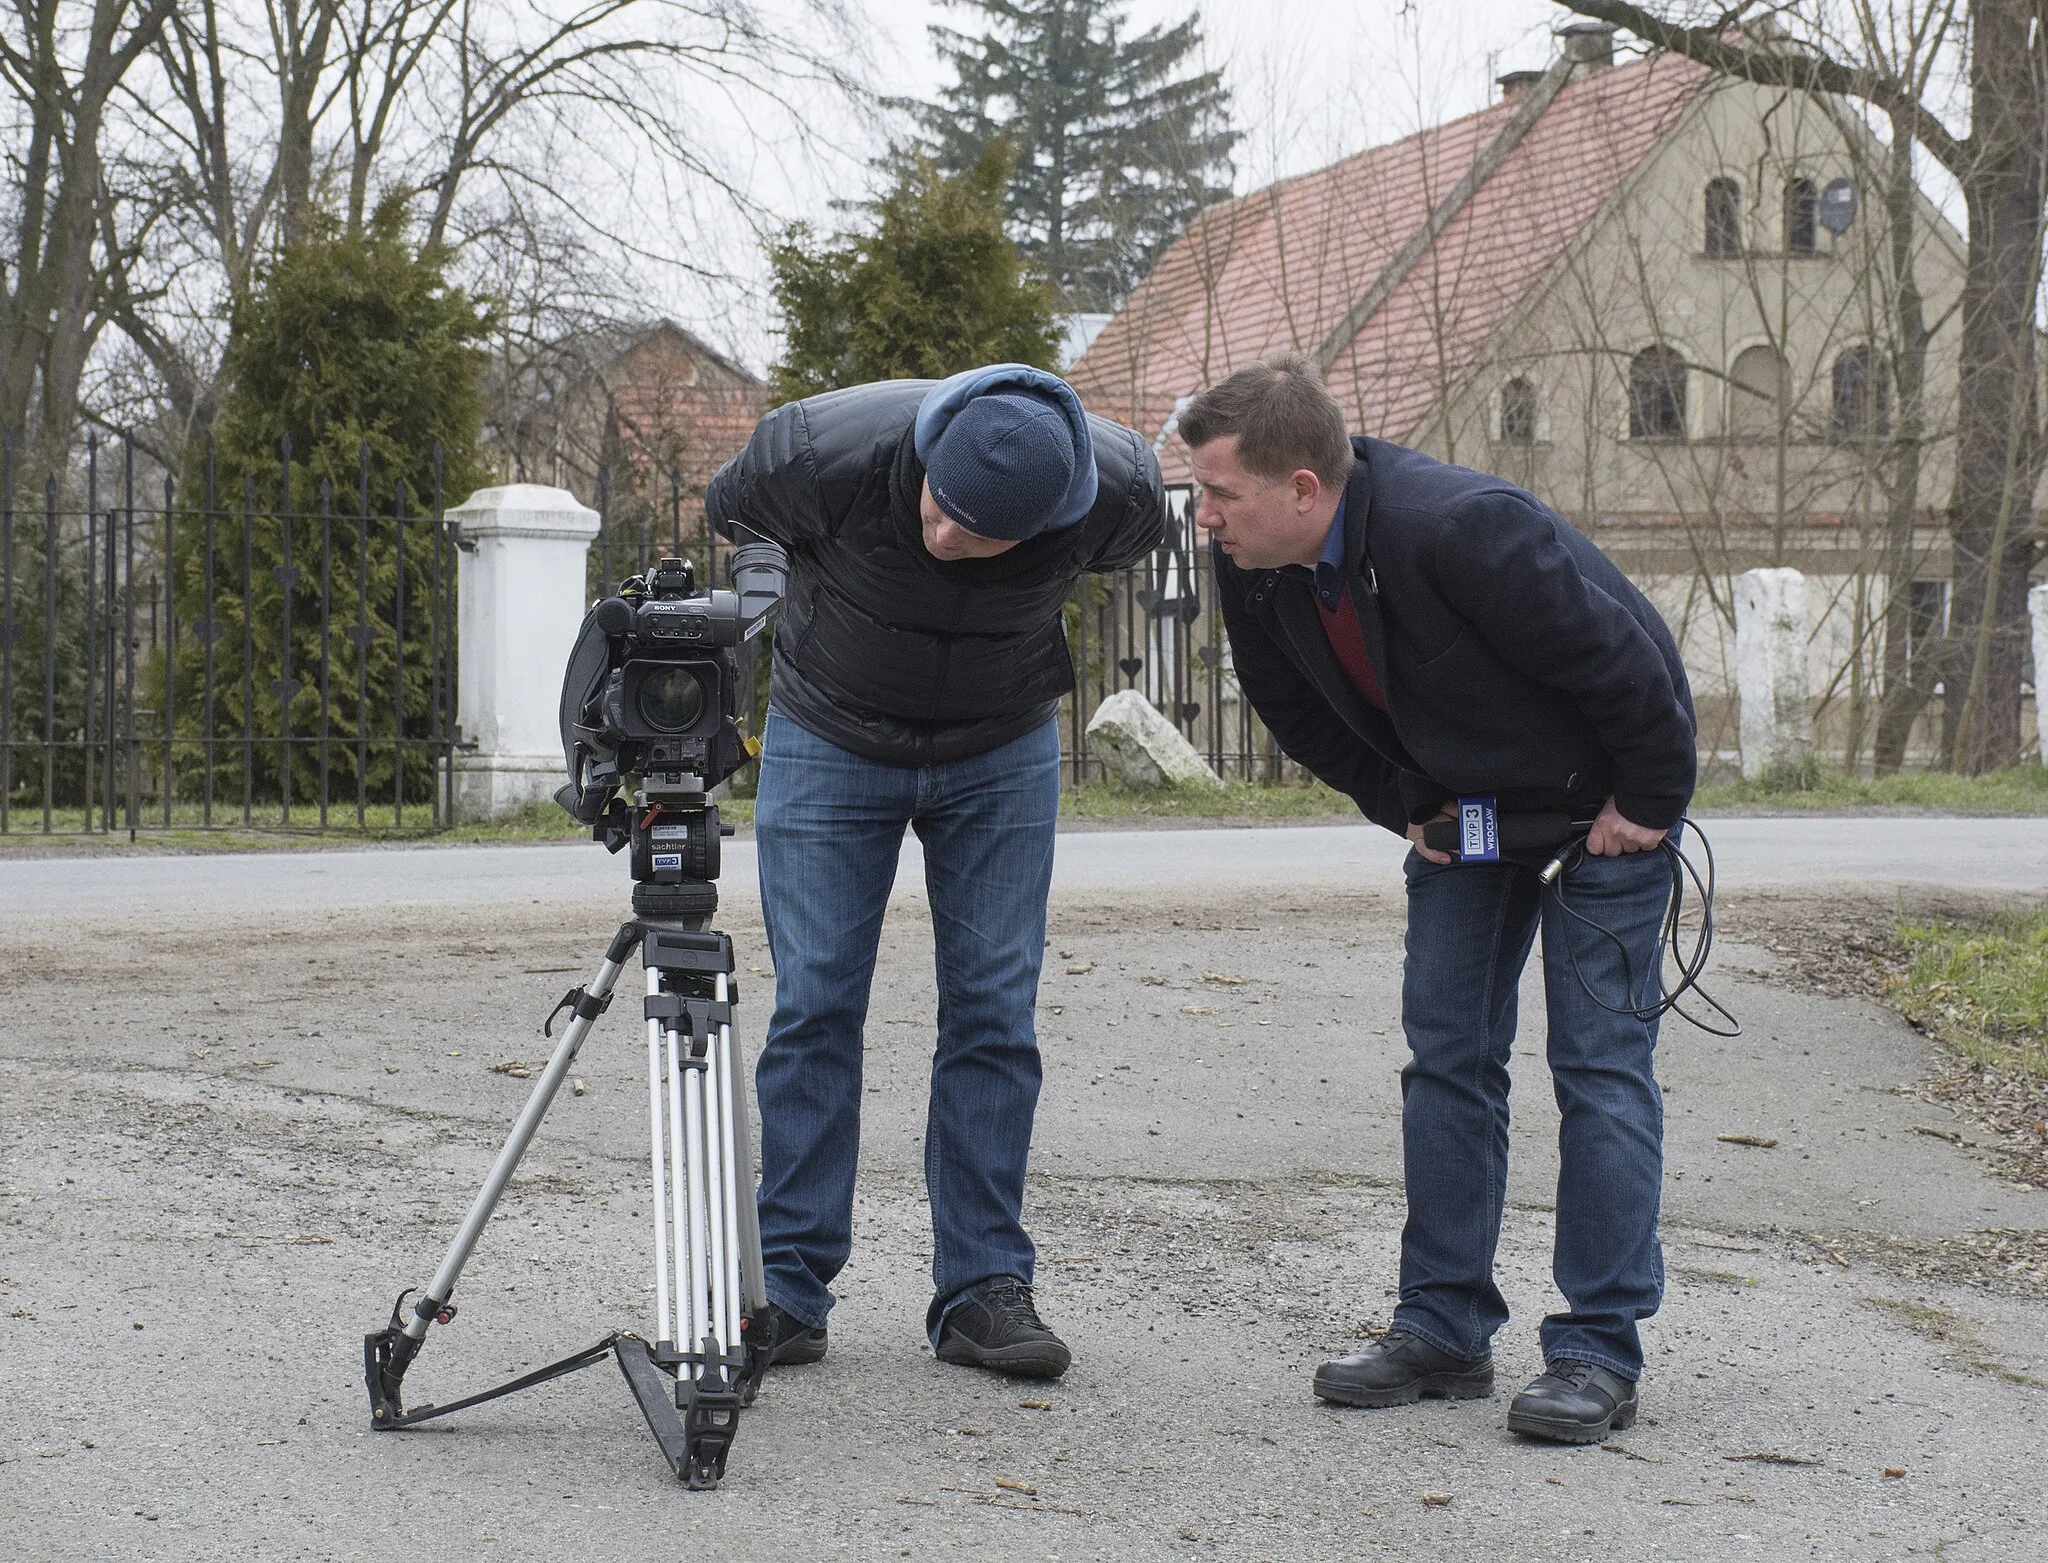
column 1007, row 451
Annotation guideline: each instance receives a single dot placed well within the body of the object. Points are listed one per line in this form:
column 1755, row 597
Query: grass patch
column 1234, row 800
column 1981, row 988
column 2021, row 790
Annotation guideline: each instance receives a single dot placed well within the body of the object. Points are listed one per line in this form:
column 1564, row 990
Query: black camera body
column 651, row 697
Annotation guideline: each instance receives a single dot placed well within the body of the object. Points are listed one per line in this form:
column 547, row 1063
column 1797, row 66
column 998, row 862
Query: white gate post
column 2037, row 606
column 522, row 598
column 1770, row 671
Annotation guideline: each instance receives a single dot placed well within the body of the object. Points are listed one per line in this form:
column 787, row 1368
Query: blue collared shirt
column 1330, row 566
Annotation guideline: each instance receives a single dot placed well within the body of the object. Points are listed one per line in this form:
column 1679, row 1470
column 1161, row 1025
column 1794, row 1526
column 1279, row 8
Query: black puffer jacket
column 1516, row 658
column 881, row 648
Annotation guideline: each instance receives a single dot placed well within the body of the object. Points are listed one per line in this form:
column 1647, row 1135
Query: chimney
column 1515, row 85
column 1588, row 43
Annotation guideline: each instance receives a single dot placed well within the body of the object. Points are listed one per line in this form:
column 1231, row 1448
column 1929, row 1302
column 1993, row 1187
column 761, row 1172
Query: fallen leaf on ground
column 514, row 1068
column 1007, row 1485
column 1036, row 1405
column 1196, row 1009
column 1894, row 1471
column 1762, row 1142
column 1773, row 1457
column 1435, row 1500
column 1081, row 970
column 1225, row 979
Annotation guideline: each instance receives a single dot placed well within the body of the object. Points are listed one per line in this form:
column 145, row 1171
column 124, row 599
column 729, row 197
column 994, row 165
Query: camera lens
column 671, row 700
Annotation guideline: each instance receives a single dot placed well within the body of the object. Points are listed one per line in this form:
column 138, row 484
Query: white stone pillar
column 1770, row 671
column 522, row 598
column 2037, row 606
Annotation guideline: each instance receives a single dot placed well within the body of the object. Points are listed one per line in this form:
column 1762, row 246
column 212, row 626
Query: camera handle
column 701, row 1368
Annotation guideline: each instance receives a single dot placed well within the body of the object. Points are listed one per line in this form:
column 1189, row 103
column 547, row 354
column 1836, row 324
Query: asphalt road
column 1873, row 854
column 248, row 1097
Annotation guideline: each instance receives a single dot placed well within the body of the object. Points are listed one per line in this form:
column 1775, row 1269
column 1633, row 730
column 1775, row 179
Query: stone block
column 2037, row 606
column 522, row 598
column 1770, row 671
column 1142, row 749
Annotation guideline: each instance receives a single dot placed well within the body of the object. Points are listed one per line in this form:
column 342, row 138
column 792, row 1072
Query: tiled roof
column 1275, row 270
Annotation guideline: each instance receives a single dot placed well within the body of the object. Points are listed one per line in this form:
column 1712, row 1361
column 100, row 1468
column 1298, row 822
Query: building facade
column 1674, row 306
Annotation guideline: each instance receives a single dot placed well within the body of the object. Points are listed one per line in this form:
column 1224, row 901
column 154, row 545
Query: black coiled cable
column 1690, row 965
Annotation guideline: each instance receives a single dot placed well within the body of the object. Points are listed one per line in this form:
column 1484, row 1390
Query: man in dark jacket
column 1439, row 644
column 934, row 533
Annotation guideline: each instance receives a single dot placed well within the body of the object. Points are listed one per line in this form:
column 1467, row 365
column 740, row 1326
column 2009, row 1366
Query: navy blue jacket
column 1515, row 657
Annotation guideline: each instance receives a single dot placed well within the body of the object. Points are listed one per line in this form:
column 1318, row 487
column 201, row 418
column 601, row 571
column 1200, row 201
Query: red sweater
column 1347, row 640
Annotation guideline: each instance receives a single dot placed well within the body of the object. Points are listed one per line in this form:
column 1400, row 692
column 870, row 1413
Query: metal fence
column 198, row 661
column 1158, row 628
column 195, row 661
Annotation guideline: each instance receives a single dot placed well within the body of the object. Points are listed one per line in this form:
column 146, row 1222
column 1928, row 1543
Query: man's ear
column 1308, row 488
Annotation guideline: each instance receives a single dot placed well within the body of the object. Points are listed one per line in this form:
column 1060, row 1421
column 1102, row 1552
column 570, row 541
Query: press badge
column 1478, row 830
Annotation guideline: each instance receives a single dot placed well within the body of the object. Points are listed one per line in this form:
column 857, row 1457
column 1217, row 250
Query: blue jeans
column 828, row 826
column 1470, row 928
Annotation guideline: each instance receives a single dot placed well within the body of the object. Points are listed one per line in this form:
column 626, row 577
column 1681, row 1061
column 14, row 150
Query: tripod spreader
column 707, row 1243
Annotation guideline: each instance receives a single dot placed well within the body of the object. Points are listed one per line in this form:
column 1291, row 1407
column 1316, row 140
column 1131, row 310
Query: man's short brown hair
column 1283, row 419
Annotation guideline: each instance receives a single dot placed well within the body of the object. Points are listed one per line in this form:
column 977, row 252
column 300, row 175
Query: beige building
column 1665, row 302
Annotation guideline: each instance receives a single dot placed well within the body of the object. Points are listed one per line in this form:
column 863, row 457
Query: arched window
column 1724, row 217
column 1518, row 413
column 1863, row 396
column 1800, row 227
column 1656, row 395
column 1757, row 385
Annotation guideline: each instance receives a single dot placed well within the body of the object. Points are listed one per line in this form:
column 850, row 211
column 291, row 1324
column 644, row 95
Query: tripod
column 701, row 1368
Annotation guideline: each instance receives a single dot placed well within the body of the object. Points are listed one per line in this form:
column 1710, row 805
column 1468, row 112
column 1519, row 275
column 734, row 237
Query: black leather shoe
column 1574, row 1403
column 1399, row 1369
column 996, row 1326
column 784, row 1339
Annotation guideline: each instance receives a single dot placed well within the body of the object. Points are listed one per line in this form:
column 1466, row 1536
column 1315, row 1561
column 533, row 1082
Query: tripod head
column 671, row 836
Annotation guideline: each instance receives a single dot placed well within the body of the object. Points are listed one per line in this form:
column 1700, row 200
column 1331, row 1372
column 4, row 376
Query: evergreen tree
column 1118, row 142
column 937, row 287
column 348, row 342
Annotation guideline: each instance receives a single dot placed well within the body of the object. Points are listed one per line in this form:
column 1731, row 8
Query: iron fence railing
column 199, row 661
column 195, row 660
column 1158, row 628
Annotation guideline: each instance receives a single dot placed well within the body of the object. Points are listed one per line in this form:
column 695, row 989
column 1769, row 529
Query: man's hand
column 1446, row 812
column 1611, row 835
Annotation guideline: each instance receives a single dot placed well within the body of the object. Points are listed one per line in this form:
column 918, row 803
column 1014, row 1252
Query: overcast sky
column 1311, row 81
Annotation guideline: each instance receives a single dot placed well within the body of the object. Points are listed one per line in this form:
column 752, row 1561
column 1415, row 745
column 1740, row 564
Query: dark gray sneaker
column 1399, row 1369
column 784, row 1340
column 996, row 1326
column 1574, row 1403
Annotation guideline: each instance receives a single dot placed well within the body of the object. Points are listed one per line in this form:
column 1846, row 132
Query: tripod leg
column 732, row 1107
column 753, row 1283
column 716, row 1188
column 664, row 1327
column 700, row 1271
column 682, row 1210
column 389, row 1352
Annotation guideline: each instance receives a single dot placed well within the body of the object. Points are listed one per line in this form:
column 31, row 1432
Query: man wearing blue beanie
column 935, row 531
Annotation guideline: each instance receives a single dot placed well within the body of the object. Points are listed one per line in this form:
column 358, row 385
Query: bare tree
column 61, row 79
column 513, row 129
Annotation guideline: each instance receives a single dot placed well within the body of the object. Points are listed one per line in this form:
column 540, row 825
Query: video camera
column 650, row 707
